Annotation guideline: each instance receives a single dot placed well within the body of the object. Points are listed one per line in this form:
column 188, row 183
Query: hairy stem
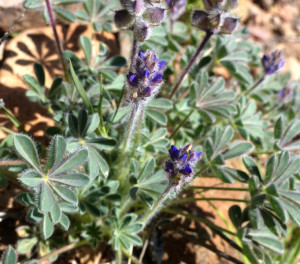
column 134, row 53
column 61, row 250
column 148, row 215
column 57, row 41
column 188, row 67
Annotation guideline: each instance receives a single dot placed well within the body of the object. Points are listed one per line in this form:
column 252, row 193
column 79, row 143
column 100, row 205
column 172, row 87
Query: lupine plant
column 131, row 137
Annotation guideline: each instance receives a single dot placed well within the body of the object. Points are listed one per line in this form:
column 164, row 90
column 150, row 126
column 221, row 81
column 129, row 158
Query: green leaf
column 86, row 46
column 34, row 215
column 102, row 143
column 114, row 62
column 9, row 256
column 278, row 208
column 25, row 245
column 66, row 194
column 268, row 240
column 251, row 166
column 235, row 214
column 64, row 222
column 278, row 128
column 26, row 199
column 55, row 213
column 255, row 217
column 65, row 14
column 33, row 84
column 72, row 179
column 148, row 169
column 291, row 132
column 238, row 148
column 46, row 198
column 47, row 227
column 222, row 174
column 81, row 90
column 293, row 210
column 71, row 162
column 56, row 151
column 39, row 73
column 158, row 117
column 27, row 150
column 161, row 103
column 271, row 169
column 31, row 178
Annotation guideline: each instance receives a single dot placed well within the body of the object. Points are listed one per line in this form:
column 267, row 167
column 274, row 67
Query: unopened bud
column 135, row 8
column 200, row 20
column 141, row 31
column 229, row 25
column 123, row 19
column 154, row 15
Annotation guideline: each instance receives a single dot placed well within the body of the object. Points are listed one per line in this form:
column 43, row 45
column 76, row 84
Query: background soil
column 273, row 24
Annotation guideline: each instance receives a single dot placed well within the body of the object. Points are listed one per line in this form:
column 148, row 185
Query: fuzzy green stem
column 134, row 259
column 134, row 53
column 62, row 250
column 11, row 163
column 57, row 41
column 199, row 219
column 181, row 123
column 190, row 200
column 148, row 215
column 188, row 67
column 134, row 116
column 101, row 127
column 119, row 256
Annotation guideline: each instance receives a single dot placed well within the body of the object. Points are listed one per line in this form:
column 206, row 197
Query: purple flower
column 273, row 62
column 286, row 94
column 145, row 80
column 179, row 167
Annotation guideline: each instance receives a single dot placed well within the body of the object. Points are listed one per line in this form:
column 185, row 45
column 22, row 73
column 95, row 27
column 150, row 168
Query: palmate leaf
column 212, row 99
column 54, row 185
column 247, row 120
column 125, row 232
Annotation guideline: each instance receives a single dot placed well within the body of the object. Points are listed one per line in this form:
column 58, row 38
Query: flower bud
column 273, row 62
column 200, row 20
column 229, row 25
column 141, row 31
column 154, row 15
column 135, row 8
column 123, row 19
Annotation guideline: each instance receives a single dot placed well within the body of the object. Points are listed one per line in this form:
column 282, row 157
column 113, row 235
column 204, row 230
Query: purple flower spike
column 174, row 152
column 186, row 170
column 179, row 167
column 273, row 62
column 144, row 82
column 156, row 77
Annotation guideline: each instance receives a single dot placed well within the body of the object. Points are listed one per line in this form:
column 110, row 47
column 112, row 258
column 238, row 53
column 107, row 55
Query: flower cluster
column 176, row 8
column 216, row 19
column 139, row 16
column 286, row 94
column 179, row 167
column 273, row 62
column 145, row 80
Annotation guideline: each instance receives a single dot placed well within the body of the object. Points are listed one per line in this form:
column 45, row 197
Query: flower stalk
column 192, row 61
column 57, row 40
